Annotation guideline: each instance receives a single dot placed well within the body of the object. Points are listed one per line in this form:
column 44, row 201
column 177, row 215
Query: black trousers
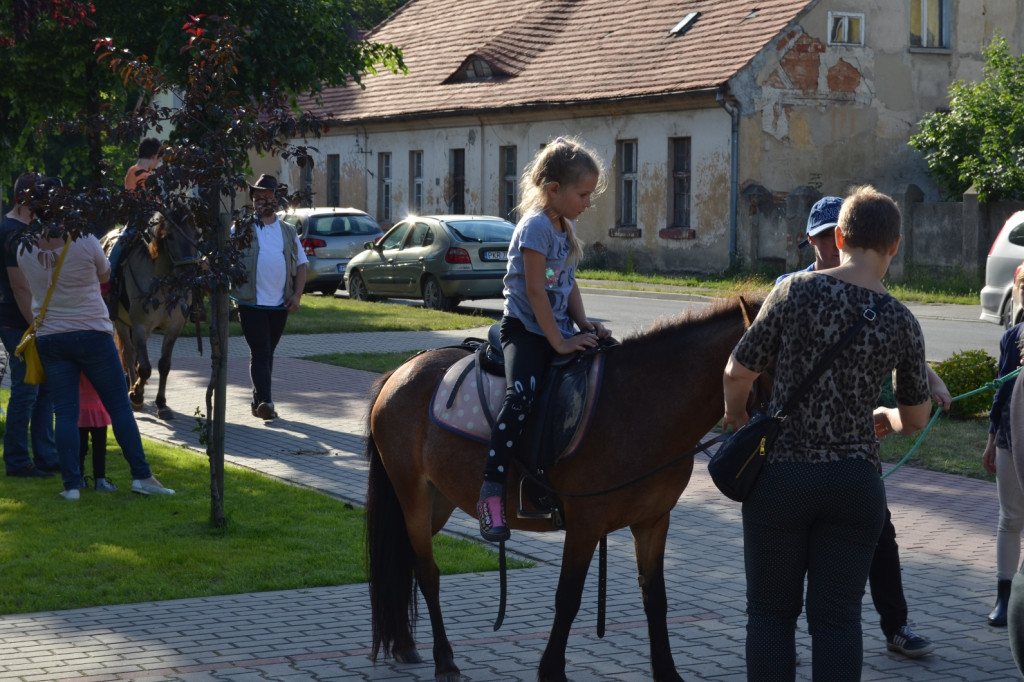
column 886, row 580
column 262, row 328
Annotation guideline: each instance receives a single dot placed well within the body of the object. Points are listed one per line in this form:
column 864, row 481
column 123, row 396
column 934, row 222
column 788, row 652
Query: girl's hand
column 579, row 342
column 601, row 331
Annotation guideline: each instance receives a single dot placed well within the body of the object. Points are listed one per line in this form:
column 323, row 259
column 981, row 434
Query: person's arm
column 939, row 390
column 300, row 284
column 534, row 266
column 579, row 315
column 988, row 455
column 736, row 383
column 903, row 419
column 22, row 293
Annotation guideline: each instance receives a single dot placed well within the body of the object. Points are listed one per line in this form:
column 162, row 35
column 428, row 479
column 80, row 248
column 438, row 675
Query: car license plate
column 341, row 268
column 493, row 255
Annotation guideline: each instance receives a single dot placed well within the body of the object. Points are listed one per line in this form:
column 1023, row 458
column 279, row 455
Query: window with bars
column 457, row 173
column 384, row 187
column 416, row 181
column 627, row 151
column 680, row 181
column 333, row 180
column 509, row 181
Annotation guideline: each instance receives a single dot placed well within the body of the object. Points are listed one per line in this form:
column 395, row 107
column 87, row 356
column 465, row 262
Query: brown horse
column 148, row 302
column 662, row 392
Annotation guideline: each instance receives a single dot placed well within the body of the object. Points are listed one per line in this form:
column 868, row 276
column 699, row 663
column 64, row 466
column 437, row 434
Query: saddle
column 469, row 397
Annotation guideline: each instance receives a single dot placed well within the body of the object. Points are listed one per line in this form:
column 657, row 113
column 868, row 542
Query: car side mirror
column 368, row 246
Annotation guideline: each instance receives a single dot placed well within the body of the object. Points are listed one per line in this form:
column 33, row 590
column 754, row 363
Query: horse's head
column 175, row 235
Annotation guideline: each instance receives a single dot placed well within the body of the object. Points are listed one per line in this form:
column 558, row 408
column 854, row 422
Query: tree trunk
column 216, row 394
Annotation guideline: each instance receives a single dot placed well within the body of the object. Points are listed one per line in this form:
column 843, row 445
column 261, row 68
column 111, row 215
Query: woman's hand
column 733, row 421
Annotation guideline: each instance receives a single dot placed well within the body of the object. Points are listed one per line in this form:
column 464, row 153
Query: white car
column 330, row 237
column 1006, row 254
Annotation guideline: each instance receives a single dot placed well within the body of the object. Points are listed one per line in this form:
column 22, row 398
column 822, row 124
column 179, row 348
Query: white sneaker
column 71, row 494
column 143, row 487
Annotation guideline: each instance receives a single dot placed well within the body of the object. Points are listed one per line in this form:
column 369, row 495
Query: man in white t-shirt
column 275, row 266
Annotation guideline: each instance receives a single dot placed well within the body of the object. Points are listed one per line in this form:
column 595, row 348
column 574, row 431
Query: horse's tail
column 389, row 554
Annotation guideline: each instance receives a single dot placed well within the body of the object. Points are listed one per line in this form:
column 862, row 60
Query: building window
column 333, row 180
column 416, row 181
column 457, row 187
column 627, row 183
column 384, row 187
column 845, row 28
column 929, row 23
column 306, row 180
column 509, row 180
column 681, row 182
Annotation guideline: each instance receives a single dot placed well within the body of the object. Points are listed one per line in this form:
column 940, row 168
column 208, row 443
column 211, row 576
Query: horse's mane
column 693, row 321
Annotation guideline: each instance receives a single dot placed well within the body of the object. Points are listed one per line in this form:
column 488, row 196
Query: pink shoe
column 491, row 511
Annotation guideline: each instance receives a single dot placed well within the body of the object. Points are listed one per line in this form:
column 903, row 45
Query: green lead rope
column 990, row 386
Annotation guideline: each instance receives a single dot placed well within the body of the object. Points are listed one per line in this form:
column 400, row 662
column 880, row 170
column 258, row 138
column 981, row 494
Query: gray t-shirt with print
column 536, row 232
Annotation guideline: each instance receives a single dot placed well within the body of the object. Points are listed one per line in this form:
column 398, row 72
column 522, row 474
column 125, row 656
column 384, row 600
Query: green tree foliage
column 980, row 140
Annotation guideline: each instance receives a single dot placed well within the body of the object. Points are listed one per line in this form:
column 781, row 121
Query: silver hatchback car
column 330, row 237
column 1006, row 254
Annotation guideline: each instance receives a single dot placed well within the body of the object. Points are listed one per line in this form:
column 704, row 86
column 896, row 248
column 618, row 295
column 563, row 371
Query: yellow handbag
column 26, row 350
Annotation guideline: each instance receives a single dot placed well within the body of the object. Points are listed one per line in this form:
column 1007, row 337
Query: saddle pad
column 466, row 415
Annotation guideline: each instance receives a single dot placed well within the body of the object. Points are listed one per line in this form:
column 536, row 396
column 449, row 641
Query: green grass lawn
column 116, row 548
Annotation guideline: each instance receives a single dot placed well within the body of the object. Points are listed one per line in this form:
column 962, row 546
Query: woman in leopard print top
column 819, row 504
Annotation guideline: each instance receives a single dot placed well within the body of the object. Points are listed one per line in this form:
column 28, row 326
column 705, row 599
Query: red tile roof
column 558, row 52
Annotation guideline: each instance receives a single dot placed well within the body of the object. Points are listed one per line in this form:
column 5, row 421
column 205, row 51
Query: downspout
column 734, row 175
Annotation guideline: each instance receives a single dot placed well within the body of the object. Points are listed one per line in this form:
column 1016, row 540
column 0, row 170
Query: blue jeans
column 65, row 358
column 819, row 521
column 29, row 405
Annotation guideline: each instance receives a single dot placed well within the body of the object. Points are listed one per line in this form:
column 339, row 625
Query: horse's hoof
column 410, row 656
column 448, row 677
column 136, row 406
column 165, row 413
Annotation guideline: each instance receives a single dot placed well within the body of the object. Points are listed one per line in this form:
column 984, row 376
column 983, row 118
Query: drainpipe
column 734, row 175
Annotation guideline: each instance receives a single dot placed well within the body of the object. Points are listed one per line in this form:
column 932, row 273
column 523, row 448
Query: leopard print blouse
column 801, row 319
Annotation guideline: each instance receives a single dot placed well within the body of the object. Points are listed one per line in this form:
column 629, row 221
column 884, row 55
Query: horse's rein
column 692, row 452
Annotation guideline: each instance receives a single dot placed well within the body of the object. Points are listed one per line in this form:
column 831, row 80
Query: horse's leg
column 650, row 561
column 143, row 368
column 164, row 366
column 421, row 534
column 577, row 552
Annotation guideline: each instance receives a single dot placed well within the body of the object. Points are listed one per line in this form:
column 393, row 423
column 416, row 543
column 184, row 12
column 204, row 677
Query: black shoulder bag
column 736, row 465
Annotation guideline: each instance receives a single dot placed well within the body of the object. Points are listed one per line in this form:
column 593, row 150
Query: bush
column 964, row 372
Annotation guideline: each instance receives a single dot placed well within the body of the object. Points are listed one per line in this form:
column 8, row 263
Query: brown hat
column 265, row 181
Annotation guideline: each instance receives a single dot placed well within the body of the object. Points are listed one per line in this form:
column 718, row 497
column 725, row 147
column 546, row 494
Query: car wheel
column 434, row 298
column 357, row 288
column 1006, row 314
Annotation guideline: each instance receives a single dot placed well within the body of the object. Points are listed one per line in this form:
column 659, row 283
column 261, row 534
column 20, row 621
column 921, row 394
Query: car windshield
column 342, row 225
column 482, row 230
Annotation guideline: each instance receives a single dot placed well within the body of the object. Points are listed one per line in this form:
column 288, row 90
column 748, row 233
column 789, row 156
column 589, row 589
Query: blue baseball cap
column 824, row 216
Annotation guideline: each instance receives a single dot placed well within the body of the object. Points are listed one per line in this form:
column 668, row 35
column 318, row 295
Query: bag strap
column 49, row 292
column 830, row 356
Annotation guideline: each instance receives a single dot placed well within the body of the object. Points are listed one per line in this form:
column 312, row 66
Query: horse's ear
column 748, row 314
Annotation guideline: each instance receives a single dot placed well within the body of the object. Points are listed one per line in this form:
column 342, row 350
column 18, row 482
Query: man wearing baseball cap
column 885, row 576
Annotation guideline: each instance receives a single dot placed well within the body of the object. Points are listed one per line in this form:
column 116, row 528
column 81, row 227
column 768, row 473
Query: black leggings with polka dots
column 819, row 521
column 527, row 356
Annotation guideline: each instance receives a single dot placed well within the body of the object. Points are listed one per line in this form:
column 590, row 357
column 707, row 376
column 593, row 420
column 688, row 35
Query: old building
column 710, row 115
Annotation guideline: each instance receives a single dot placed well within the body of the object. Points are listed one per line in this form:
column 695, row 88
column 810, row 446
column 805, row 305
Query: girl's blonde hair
column 565, row 161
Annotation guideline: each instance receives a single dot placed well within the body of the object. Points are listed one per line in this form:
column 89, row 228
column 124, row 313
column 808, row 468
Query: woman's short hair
column 869, row 219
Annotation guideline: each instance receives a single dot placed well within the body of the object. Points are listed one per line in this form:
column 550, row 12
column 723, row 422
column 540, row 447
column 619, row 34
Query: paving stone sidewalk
column 945, row 527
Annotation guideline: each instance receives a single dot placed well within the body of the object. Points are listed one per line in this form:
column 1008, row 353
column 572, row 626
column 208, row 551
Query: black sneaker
column 29, row 471
column 908, row 643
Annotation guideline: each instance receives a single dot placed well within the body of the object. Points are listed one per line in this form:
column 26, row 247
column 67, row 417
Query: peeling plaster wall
column 709, row 130
column 837, row 116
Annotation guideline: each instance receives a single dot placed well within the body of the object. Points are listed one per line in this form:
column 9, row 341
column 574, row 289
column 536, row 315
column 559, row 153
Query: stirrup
column 523, row 513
